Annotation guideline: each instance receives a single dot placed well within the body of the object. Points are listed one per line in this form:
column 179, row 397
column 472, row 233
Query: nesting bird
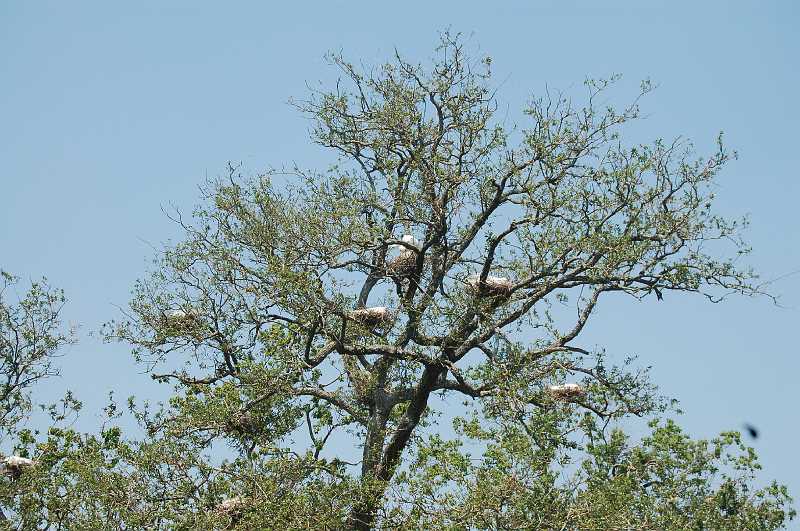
column 180, row 318
column 233, row 509
column 175, row 315
column 409, row 239
column 179, row 315
column 14, row 465
column 371, row 316
column 492, row 286
column 566, row 391
column 182, row 322
column 403, row 264
column 230, row 505
column 242, row 422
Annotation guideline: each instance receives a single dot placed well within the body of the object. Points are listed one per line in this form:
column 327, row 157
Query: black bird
column 751, row 430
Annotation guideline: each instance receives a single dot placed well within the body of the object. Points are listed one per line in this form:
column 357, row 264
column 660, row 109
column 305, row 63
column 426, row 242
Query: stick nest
column 568, row 391
column 371, row 316
column 402, row 265
column 491, row 287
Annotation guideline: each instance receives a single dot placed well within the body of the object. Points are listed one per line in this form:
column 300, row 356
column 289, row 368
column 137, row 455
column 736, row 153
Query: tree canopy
column 395, row 342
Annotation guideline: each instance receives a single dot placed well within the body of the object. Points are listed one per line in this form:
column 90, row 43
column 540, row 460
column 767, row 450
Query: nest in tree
column 242, row 423
column 231, row 507
column 183, row 322
column 492, row 286
column 14, row 465
column 566, row 391
column 181, row 318
column 402, row 265
column 371, row 316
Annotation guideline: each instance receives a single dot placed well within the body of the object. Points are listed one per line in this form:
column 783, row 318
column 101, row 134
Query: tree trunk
column 380, row 459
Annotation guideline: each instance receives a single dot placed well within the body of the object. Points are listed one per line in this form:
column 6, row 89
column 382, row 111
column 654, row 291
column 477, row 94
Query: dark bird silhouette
column 751, row 430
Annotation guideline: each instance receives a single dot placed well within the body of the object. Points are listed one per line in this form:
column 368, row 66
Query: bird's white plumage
column 180, row 314
column 18, row 462
column 565, row 391
column 230, row 505
column 371, row 316
column 176, row 314
column 406, row 238
column 13, row 465
column 492, row 283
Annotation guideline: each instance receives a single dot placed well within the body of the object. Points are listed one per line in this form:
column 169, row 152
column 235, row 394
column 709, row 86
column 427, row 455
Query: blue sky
column 109, row 112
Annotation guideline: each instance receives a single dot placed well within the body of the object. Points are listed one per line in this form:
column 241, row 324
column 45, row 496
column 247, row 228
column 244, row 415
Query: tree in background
column 318, row 327
column 31, row 338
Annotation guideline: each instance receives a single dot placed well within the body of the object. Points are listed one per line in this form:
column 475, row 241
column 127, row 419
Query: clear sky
column 111, row 111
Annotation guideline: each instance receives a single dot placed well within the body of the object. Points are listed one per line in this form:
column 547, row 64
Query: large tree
column 319, row 328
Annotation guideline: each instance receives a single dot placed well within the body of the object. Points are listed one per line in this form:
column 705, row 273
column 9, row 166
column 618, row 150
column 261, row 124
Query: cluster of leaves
column 100, row 481
column 665, row 481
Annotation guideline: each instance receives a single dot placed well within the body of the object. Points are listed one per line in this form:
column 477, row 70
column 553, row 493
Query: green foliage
column 31, row 337
column 666, row 481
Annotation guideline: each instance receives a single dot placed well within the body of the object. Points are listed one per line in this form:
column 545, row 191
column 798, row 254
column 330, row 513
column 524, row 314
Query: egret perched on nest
column 371, row 316
column 566, row 391
column 230, row 505
column 14, row 465
column 177, row 316
column 492, row 286
column 403, row 264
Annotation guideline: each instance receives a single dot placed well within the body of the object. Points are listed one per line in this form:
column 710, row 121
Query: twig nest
column 14, row 465
column 231, row 506
column 492, row 286
column 242, row 422
column 180, row 321
column 567, row 391
column 181, row 318
column 371, row 316
column 403, row 264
